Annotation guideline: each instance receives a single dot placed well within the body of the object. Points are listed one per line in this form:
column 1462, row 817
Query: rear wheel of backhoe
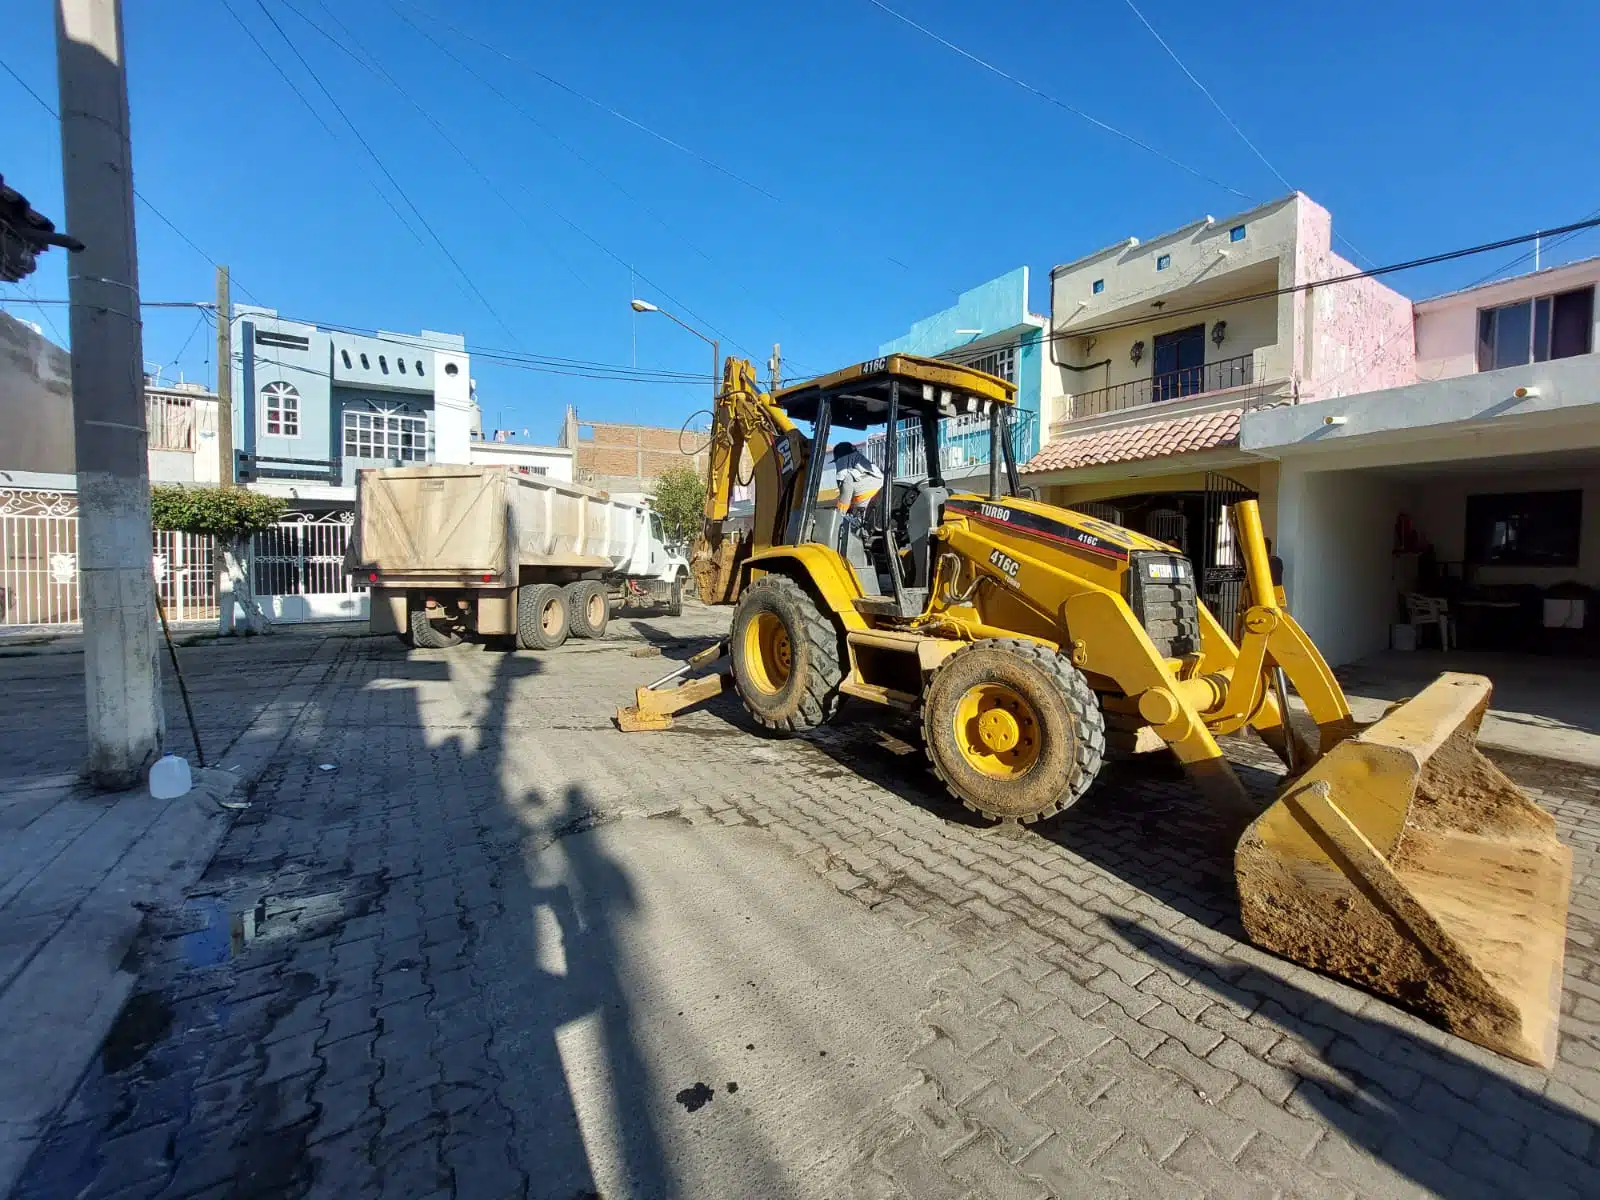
column 785, row 656
column 1013, row 729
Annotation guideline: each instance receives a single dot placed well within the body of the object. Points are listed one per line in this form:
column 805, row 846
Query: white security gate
column 39, row 564
column 299, row 570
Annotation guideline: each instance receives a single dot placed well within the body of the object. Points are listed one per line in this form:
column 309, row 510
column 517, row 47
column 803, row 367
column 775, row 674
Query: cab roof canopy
column 859, row 395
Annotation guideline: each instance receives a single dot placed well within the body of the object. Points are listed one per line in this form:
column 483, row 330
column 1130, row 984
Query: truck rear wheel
column 542, row 621
column 425, row 635
column 588, row 608
column 675, row 597
column 1013, row 729
column 785, row 656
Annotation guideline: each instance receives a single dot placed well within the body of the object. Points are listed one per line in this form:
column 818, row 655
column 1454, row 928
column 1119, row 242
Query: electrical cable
column 137, row 194
column 1223, row 113
column 521, row 111
column 1061, row 104
column 389, row 175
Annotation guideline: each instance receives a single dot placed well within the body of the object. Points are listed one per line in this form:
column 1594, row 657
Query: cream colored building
column 1163, row 344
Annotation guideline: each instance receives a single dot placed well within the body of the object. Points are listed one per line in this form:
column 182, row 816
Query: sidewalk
column 78, row 869
column 1541, row 707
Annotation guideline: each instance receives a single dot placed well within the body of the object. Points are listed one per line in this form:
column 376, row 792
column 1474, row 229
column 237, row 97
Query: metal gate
column 299, row 570
column 39, row 564
column 1221, row 569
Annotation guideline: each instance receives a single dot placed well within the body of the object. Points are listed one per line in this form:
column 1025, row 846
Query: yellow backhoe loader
column 1395, row 856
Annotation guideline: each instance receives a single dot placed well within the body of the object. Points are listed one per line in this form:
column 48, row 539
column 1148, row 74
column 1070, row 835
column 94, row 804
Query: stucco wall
column 1355, row 336
column 1337, row 533
column 1252, row 328
column 556, row 460
column 35, row 402
column 1447, row 326
column 1439, row 510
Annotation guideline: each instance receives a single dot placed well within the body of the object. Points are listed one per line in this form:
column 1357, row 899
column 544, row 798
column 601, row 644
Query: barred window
column 280, row 410
column 397, row 436
column 1001, row 362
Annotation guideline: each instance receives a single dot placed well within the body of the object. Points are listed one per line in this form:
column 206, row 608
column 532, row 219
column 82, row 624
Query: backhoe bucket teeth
column 1406, row 862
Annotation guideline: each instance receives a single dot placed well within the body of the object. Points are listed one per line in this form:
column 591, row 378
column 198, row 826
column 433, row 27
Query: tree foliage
column 227, row 514
column 680, row 496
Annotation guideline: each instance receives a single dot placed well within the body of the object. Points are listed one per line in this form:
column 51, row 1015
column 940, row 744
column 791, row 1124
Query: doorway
column 1180, row 363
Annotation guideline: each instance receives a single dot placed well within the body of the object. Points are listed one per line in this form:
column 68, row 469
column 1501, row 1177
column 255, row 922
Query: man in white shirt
column 859, row 481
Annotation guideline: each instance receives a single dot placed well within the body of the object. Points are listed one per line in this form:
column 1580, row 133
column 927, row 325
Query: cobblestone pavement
column 432, row 971
column 230, row 683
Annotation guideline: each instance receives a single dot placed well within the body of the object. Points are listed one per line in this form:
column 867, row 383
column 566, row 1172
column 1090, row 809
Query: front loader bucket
column 1407, row 863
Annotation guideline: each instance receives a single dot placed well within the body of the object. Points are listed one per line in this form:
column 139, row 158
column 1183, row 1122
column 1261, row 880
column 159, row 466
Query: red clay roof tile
column 1130, row 443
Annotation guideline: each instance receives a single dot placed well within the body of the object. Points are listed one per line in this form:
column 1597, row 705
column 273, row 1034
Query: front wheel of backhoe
column 785, row 656
column 1013, row 729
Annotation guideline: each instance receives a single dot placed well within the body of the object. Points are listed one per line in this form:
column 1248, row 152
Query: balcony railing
column 960, row 448
column 1170, row 385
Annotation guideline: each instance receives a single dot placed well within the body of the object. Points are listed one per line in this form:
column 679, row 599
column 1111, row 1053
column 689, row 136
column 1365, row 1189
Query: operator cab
column 891, row 547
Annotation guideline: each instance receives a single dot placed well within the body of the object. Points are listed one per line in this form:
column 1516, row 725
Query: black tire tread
column 819, row 699
column 425, row 635
column 578, row 609
column 530, row 631
column 1082, row 703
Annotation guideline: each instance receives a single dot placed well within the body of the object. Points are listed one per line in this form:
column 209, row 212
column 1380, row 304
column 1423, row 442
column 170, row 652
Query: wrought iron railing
column 1169, row 385
column 962, row 447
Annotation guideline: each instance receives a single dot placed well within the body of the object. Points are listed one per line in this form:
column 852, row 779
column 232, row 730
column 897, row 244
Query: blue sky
column 888, row 172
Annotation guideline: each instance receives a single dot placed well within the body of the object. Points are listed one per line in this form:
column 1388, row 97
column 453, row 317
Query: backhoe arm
column 746, row 424
column 1273, row 640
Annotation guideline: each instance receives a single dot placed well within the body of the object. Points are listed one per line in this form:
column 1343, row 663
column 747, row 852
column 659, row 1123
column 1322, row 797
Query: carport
column 1478, row 495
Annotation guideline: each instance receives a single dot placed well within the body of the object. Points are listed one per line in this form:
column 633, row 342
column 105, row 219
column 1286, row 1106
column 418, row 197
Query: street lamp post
column 644, row 306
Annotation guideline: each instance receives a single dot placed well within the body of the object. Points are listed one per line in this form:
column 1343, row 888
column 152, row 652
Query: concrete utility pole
column 121, row 673
column 775, row 367
column 224, row 439
column 224, row 379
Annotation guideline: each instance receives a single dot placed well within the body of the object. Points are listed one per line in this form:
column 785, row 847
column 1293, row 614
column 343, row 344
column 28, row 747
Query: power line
column 1061, row 104
column 165, row 220
column 521, row 111
column 1223, row 113
column 1524, row 257
column 601, row 105
column 378, row 161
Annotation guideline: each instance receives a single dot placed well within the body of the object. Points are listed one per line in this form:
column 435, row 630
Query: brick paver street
column 469, row 940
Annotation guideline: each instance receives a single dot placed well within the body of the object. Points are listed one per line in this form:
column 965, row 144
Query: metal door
column 1220, row 565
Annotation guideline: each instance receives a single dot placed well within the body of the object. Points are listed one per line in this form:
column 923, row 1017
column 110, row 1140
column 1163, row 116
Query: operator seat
column 927, row 509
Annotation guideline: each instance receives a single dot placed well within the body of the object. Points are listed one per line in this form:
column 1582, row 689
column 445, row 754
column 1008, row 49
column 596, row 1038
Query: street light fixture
column 644, row 306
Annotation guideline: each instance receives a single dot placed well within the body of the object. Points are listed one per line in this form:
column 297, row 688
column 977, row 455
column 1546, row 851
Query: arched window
column 365, row 365
column 401, row 363
column 280, row 410
column 383, row 364
column 345, row 354
column 419, row 366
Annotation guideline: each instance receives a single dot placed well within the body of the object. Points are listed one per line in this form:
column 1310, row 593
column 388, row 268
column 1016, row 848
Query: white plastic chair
column 1431, row 610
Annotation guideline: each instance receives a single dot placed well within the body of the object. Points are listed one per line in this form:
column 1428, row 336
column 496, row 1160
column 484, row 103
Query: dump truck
column 453, row 552
column 1024, row 638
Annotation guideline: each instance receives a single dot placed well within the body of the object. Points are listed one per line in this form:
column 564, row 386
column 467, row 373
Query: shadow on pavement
column 1445, row 1121
column 561, row 1009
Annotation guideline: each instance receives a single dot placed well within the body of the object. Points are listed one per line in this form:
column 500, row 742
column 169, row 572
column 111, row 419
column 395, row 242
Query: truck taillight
column 488, row 576
column 372, row 577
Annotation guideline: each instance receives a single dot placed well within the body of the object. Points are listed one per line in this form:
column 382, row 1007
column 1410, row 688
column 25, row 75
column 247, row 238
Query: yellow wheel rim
column 997, row 731
column 768, row 653
column 596, row 608
column 550, row 619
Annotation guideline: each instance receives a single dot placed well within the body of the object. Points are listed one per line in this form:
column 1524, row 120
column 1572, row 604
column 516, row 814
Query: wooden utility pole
column 224, row 379
column 775, row 367
column 122, row 679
